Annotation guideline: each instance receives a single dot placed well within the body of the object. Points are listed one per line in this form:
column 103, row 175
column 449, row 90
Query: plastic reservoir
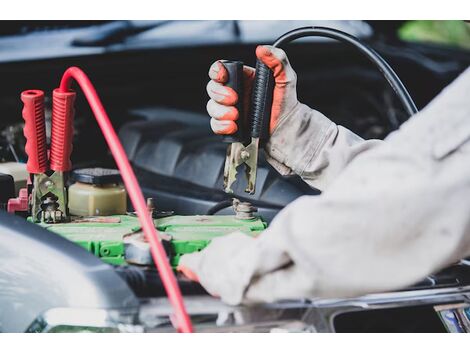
column 97, row 192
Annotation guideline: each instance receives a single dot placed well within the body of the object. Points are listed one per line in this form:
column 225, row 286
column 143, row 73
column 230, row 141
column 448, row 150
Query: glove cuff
column 297, row 140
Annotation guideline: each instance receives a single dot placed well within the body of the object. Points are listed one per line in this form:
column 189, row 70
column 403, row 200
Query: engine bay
column 85, row 213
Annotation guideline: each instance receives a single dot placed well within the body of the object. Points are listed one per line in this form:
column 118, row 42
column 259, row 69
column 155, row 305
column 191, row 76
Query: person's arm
column 398, row 212
column 307, row 143
column 302, row 140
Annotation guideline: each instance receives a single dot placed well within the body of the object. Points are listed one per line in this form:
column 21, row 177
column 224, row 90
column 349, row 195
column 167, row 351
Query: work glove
column 240, row 258
column 221, row 106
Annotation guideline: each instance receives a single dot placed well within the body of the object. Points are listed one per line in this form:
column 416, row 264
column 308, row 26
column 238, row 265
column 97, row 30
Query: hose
column 226, row 203
column 183, row 322
column 370, row 53
column 145, row 282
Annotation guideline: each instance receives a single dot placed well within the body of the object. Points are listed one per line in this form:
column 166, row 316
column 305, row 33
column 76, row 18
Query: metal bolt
column 244, row 155
column 150, row 205
column 244, row 210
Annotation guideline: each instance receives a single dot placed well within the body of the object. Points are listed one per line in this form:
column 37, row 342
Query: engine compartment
column 157, row 101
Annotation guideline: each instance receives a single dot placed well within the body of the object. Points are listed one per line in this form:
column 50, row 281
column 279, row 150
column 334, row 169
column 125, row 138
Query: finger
column 187, row 273
column 218, row 72
column 286, row 283
column 276, row 59
column 223, row 127
column 221, row 112
column 221, row 266
column 221, row 94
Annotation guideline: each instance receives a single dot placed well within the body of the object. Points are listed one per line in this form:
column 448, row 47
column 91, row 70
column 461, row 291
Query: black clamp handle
column 235, row 81
column 261, row 102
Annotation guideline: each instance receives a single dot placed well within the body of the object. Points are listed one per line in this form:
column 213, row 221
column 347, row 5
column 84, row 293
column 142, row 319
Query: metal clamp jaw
column 244, row 147
column 239, row 154
column 49, row 199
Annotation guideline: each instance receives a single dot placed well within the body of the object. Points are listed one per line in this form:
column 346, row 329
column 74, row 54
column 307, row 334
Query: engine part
column 17, row 171
column 145, row 282
column 243, row 210
column 12, row 143
column 7, row 190
column 97, row 192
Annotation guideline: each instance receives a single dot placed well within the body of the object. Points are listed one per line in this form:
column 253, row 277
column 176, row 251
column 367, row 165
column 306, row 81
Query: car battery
column 118, row 239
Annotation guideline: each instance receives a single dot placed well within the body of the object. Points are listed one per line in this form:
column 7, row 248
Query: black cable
column 370, row 53
column 145, row 282
column 226, row 203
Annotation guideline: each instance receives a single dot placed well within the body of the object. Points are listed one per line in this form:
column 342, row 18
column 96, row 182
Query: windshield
column 21, row 41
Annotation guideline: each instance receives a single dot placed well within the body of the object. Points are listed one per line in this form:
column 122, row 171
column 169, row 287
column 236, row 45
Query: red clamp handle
column 35, row 130
column 62, row 130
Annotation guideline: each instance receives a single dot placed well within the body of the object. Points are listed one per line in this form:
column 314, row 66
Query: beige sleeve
column 398, row 212
column 309, row 144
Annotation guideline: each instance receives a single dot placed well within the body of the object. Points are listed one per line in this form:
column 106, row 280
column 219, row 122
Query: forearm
column 307, row 143
column 387, row 222
column 399, row 212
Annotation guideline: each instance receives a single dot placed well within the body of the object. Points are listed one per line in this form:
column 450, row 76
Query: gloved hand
column 302, row 140
column 221, row 106
column 231, row 264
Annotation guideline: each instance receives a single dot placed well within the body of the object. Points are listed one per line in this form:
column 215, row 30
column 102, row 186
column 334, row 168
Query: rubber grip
column 62, row 130
column 34, row 130
column 235, row 81
column 261, row 102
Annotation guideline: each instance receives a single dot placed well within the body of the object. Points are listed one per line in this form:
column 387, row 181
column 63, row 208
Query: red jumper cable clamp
column 49, row 194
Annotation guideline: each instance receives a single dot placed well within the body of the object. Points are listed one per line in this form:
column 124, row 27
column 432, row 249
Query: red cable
column 183, row 321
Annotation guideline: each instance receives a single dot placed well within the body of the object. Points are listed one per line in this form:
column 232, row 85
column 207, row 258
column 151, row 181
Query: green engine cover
column 103, row 236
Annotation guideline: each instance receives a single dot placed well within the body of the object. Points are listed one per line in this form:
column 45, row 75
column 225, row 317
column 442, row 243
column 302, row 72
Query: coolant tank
column 97, row 192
